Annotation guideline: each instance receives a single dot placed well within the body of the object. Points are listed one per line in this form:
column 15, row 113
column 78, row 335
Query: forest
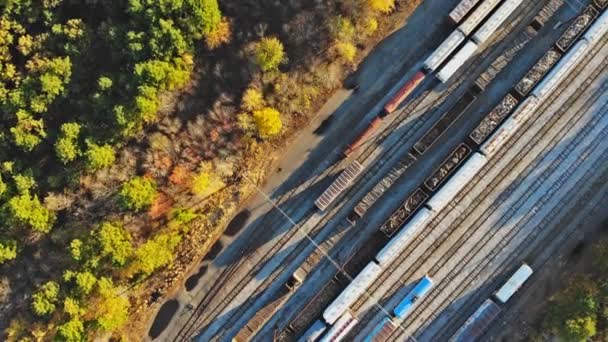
column 126, row 129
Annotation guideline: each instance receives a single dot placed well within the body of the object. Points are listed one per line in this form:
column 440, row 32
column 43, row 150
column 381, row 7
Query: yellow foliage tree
column 368, row 26
column 206, row 182
column 383, row 6
column 220, row 35
column 252, row 99
column 346, row 51
column 268, row 122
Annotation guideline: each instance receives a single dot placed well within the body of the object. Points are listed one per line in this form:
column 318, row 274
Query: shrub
column 137, row 193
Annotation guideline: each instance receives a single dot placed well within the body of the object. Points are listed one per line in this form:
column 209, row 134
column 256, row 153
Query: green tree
column 76, row 249
column 268, row 122
column 137, row 193
column 71, row 331
column 99, row 156
column 206, row 16
column 72, row 307
column 45, row 298
column 27, row 210
column 24, row 182
column 573, row 312
column 85, row 281
column 156, row 252
column 115, row 242
column 269, row 53
column 66, row 146
column 8, row 250
column 28, row 132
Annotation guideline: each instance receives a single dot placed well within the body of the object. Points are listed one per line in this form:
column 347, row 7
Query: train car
column 509, row 127
column 597, row 30
column 339, row 329
column 419, row 291
column 444, row 50
column 403, row 92
column 337, row 186
column 314, row 332
column 382, row 331
column 461, row 10
column 478, row 15
column 477, row 323
column 352, row 292
column 513, row 284
column 363, row 136
column 561, row 70
column 397, row 244
column 495, row 21
column 403, row 213
column 447, row 192
column 457, row 61
column 576, row 28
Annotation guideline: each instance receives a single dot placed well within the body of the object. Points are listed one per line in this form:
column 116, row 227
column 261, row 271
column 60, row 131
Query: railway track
column 486, row 253
column 194, row 323
column 419, row 238
column 500, row 274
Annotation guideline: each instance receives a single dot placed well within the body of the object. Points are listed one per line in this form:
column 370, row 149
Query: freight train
column 339, row 307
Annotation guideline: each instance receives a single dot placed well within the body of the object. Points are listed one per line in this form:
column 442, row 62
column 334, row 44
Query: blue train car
column 421, row 289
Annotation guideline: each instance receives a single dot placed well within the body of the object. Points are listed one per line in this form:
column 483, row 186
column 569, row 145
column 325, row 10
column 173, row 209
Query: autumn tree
column 573, row 312
column 383, row 6
column 137, row 193
column 252, row 99
column 220, row 35
column 269, row 53
column 45, row 298
column 346, row 51
column 110, row 308
column 8, row 249
column 268, row 122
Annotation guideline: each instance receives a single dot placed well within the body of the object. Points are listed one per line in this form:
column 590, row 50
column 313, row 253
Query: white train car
column 339, row 185
column 561, row 70
column 513, row 284
column 509, row 126
column 457, row 61
column 342, row 326
column 597, row 30
column 478, row 15
column 461, row 10
column 397, row 244
column 457, row 182
column 496, row 20
column 444, row 50
column 314, row 332
column 352, row 292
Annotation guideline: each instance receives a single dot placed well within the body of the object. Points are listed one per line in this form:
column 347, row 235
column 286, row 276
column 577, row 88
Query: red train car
column 363, row 136
column 404, row 92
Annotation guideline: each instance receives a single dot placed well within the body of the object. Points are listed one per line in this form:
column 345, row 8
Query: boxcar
column 352, row 292
column 598, row 29
column 561, row 70
column 448, row 191
column 444, row 50
column 461, row 10
column 495, row 21
column 397, row 244
column 335, row 189
column 478, row 15
column 457, row 61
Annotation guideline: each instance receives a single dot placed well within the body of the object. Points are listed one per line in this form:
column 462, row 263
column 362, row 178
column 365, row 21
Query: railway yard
column 488, row 151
